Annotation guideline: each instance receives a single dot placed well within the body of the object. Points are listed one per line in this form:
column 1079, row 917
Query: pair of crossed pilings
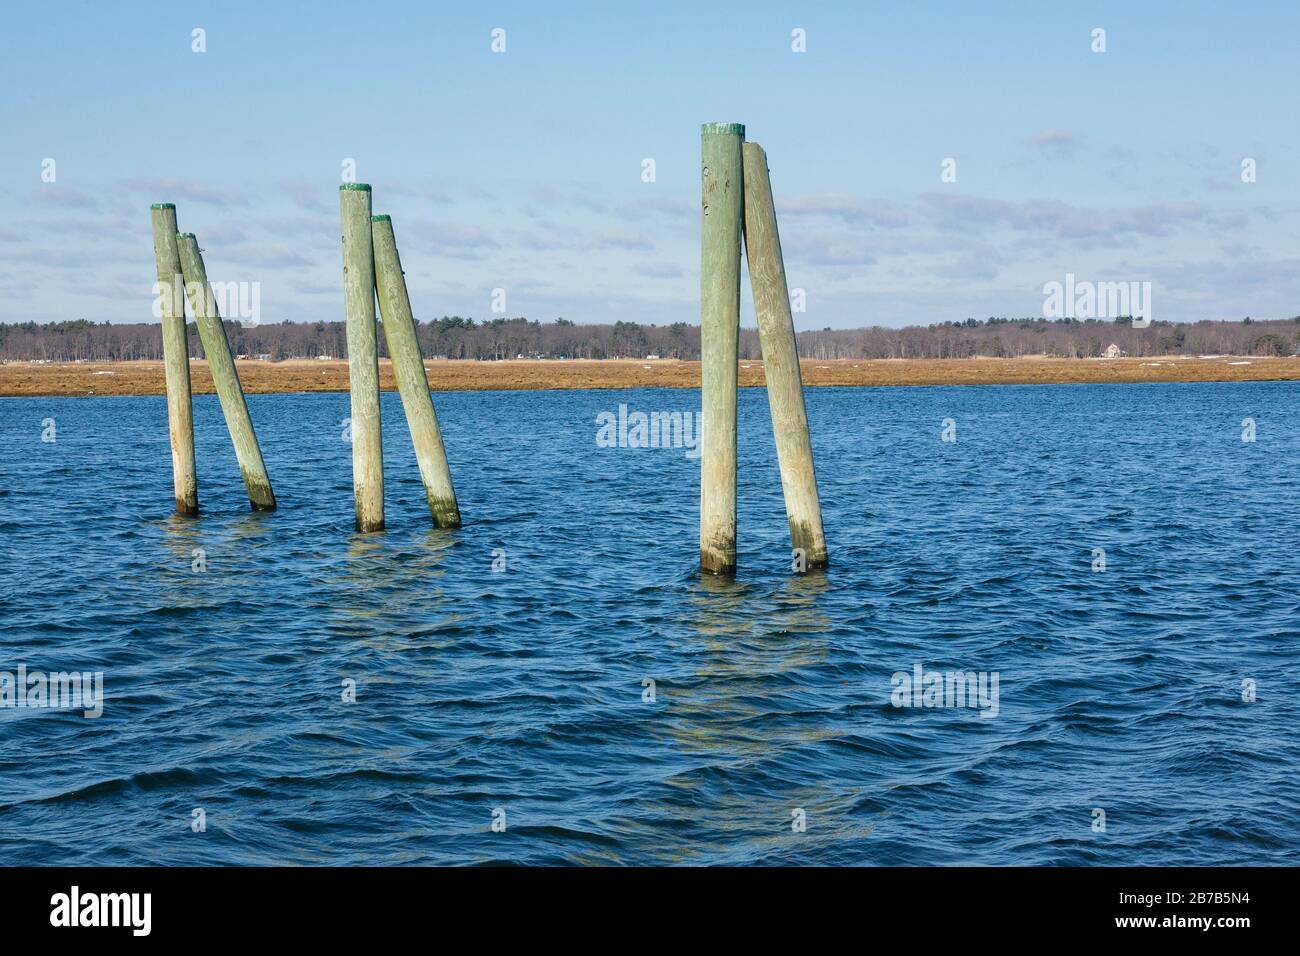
column 370, row 265
column 737, row 203
column 180, row 265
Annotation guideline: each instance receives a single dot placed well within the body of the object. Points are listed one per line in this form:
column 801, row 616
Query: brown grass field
column 146, row 378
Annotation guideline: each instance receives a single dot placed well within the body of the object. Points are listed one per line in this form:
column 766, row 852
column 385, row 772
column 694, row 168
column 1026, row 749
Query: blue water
column 520, row 692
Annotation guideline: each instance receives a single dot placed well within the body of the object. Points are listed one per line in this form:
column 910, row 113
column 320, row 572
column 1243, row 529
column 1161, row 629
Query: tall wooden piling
column 222, row 366
column 412, row 383
column 781, row 361
column 722, row 194
column 176, row 358
column 363, row 356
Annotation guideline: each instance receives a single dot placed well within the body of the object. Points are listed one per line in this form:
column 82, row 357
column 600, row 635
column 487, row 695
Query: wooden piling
column 408, row 369
column 222, row 367
column 363, row 356
column 176, row 358
column 722, row 194
column 781, row 361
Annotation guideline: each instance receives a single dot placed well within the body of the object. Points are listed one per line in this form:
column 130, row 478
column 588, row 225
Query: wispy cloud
column 275, row 257
column 448, row 239
column 311, row 197
column 1052, row 219
column 1057, row 143
column 883, row 213
column 169, row 189
column 54, row 194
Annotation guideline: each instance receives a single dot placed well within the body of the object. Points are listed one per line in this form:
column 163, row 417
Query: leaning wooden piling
column 363, row 356
column 722, row 194
column 222, row 367
column 176, row 358
column 781, row 362
column 408, row 369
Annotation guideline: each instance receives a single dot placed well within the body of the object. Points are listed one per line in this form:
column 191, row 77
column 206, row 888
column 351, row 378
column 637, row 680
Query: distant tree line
column 464, row 338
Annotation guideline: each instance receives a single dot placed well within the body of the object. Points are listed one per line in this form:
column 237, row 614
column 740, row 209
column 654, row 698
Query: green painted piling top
column 163, row 205
column 383, row 218
column 365, row 187
column 722, row 129
column 184, row 235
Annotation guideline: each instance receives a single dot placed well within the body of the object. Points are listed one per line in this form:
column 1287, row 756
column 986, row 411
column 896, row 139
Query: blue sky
column 522, row 170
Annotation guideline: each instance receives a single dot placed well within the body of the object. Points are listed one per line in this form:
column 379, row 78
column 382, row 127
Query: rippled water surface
column 524, row 692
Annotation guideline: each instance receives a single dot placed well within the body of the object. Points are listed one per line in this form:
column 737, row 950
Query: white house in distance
column 1112, row 351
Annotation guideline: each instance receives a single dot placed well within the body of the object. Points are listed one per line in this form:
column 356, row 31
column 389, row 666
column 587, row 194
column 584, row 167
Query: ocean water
column 1160, row 691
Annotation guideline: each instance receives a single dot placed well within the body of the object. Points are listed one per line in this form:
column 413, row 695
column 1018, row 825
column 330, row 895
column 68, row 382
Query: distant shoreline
column 18, row 379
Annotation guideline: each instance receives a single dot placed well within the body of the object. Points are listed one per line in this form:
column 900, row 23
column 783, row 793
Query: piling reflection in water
column 388, row 591
column 748, row 644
